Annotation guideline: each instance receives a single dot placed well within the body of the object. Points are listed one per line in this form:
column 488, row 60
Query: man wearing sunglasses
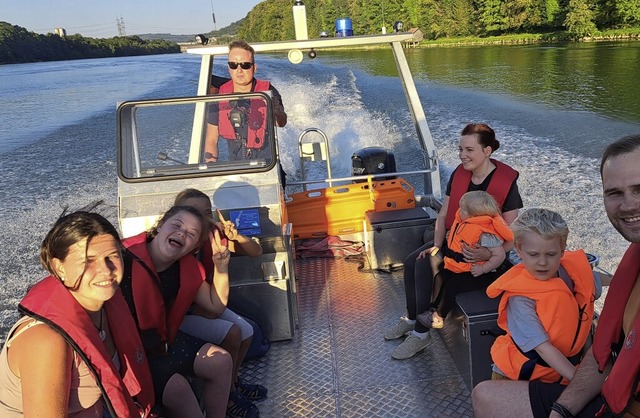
column 236, row 122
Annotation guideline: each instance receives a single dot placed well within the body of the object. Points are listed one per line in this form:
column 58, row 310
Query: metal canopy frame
column 432, row 178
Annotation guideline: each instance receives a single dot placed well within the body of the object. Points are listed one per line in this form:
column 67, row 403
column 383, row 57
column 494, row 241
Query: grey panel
column 469, row 333
column 394, row 234
column 271, row 303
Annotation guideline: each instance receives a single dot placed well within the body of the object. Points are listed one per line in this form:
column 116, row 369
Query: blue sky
column 97, row 19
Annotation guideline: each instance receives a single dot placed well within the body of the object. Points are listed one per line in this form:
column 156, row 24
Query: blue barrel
column 344, row 27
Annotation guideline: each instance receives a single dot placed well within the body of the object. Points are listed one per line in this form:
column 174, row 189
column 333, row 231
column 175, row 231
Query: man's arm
column 211, row 144
column 278, row 108
column 586, row 384
column 281, row 115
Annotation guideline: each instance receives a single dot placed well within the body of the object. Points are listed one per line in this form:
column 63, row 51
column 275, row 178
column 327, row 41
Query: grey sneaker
column 411, row 346
column 399, row 329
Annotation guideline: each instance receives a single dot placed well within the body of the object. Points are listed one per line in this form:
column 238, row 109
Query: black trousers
column 418, row 285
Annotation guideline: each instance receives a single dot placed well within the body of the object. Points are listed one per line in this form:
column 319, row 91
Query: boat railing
column 314, row 151
column 367, row 177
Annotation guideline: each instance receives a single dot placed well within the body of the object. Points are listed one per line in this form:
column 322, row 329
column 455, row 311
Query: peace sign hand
column 229, row 228
column 221, row 254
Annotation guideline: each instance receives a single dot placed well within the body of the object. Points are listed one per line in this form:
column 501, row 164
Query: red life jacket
column 50, row 302
column 622, row 384
column 469, row 231
column 147, row 297
column 257, row 122
column 499, row 186
column 565, row 317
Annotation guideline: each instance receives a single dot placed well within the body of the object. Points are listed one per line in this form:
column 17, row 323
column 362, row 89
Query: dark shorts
column 179, row 359
column 542, row 395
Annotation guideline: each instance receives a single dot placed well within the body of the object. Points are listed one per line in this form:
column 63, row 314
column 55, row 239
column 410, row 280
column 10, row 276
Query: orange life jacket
column 50, row 302
column 622, row 384
column 149, row 305
column 566, row 317
column 257, row 122
column 469, row 231
column 499, row 185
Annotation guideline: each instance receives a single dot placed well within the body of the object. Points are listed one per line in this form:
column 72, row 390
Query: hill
column 17, row 45
column 222, row 34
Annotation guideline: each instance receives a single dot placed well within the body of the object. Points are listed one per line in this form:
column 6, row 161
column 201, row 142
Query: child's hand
column 221, row 254
column 228, row 227
column 477, row 270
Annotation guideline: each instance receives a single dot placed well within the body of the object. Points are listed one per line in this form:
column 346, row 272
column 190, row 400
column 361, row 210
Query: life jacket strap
column 456, row 256
column 526, row 371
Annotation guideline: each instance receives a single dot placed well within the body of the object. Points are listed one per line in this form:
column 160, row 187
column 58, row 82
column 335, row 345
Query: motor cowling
column 373, row 160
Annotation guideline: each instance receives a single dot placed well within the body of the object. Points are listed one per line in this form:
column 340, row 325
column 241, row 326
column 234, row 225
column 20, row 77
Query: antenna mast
column 213, row 15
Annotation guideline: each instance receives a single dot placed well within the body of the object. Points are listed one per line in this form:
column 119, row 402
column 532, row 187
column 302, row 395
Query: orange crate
column 341, row 209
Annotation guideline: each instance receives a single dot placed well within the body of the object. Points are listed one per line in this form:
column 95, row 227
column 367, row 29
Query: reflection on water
column 598, row 77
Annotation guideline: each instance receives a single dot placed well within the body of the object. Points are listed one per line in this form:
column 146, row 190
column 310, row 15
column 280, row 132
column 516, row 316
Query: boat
column 325, row 316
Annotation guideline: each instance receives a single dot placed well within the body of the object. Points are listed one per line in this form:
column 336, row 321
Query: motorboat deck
column 326, row 317
column 339, row 365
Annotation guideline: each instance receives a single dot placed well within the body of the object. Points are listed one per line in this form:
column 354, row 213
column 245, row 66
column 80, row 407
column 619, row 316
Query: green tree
column 490, row 17
column 272, row 19
column 17, row 45
column 579, row 22
column 626, row 13
column 552, row 13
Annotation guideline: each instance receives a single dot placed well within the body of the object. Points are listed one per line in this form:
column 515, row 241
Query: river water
column 554, row 108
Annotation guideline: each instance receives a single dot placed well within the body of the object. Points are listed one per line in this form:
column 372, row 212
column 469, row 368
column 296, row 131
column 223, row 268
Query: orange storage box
column 341, row 209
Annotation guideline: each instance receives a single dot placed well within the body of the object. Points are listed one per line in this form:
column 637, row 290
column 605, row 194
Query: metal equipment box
column 272, row 304
column 264, row 288
column 469, row 332
column 391, row 236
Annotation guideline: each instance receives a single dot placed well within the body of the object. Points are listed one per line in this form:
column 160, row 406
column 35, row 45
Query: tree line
column 17, row 45
column 272, row 20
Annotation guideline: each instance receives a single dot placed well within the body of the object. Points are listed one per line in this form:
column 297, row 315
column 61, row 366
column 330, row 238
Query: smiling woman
column 477, row 172
column 69, row 330
column 162, row 279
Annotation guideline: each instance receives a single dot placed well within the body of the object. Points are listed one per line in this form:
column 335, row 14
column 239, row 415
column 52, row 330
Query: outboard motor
column 373, row 160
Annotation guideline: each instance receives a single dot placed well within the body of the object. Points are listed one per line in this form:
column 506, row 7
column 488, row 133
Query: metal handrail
column 364, row 177
column 302, row 155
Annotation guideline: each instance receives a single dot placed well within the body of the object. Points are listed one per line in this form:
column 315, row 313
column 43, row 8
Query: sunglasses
column 243, row 65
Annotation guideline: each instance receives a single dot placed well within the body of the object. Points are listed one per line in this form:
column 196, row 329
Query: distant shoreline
column 534, row 38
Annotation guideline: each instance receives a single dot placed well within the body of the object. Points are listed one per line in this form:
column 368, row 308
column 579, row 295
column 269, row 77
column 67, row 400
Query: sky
column 99, row 19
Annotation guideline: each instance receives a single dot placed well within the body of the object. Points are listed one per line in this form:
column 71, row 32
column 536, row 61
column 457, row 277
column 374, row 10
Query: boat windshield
column 194, row 136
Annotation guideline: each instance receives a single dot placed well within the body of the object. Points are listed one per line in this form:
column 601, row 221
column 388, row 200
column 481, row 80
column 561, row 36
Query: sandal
column 252, row 392
column 431, row 319
column 239, row 407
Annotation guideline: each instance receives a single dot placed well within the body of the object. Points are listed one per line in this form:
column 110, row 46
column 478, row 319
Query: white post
column 300, row 20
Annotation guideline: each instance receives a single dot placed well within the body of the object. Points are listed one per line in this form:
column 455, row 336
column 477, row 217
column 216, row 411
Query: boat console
column 160, row 153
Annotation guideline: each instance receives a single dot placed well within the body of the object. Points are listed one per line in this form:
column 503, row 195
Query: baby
column 478, row 223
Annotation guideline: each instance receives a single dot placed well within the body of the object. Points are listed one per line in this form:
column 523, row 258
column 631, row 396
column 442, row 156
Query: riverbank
column 630, row 34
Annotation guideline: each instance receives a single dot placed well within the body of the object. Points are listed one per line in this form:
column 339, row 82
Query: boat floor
column 338, row 363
